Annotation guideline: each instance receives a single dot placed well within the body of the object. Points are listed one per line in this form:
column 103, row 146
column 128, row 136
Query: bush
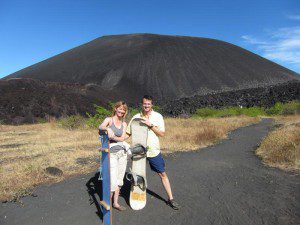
column 230, row 111
column 227, row 112
column 291, row 108
column 253, row 111
column 131, row 113
column 41, row 120
column 95, row 120
column 156, row 108
column 206, row 112
column 101, row 113
column 224, row 112
column 275, row 110
column 72, row 122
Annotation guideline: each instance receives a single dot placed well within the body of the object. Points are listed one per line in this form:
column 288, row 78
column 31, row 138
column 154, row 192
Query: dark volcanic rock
column 24, row 100
column 263, row 96
column 167, row 67
column 54, row 171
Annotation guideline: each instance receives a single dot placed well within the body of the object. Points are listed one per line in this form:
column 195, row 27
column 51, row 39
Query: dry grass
column 195, row 133
column 281, row 148
column 25, row 151
column 28, row 149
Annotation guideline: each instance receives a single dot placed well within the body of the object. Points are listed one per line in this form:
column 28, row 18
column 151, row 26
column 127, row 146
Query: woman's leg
column 122, row 163
column 113, row 173
column 116, row 197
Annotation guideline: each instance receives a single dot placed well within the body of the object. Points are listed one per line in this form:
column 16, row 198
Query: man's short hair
column 148, row 97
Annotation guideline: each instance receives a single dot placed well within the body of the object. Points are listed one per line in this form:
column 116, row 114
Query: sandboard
column 105, row 176
column 139, row 134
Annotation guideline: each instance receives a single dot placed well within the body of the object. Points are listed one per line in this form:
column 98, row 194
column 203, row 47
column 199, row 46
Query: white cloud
column 281, row 45
column 293, row 17
column 253, row 40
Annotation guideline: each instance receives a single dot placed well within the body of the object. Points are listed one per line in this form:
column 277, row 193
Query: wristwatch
column 151, row 126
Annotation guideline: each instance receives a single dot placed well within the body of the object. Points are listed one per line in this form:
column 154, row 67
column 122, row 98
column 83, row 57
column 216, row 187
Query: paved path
column 224, row 184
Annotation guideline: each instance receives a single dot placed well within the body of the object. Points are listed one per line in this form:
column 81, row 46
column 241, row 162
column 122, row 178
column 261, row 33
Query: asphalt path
column 223, row 184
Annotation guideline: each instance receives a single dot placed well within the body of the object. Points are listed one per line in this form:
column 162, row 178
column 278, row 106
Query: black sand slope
column 224, row 184
column 182, row 73
column 168, row 67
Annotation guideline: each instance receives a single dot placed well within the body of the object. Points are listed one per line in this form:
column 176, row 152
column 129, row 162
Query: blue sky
column 34, row 30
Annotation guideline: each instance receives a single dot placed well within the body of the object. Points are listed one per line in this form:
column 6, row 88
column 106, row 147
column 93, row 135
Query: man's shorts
column 157, row 163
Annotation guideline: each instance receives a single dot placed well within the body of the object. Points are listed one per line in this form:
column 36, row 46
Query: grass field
column 27, row 150
column 281, row 148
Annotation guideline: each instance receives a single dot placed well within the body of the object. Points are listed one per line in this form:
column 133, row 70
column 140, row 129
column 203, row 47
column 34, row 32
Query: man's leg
column 157, row 164
column 166, row 183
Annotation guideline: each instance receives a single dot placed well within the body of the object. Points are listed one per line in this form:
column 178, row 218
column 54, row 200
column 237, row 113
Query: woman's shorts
column 157, row 163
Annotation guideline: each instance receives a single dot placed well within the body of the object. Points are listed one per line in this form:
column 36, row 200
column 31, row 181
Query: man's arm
column 155, row 129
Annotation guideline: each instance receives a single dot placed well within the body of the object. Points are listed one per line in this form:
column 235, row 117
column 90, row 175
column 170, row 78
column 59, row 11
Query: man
column 156, row 125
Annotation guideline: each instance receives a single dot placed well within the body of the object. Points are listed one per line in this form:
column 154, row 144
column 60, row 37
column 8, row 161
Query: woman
column 116, row 129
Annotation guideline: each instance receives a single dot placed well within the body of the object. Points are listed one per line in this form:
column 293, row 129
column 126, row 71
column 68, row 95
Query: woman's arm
column 104, row 126
column 124, row 135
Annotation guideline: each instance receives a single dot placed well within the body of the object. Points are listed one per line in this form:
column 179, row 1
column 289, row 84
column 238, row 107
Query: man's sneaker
column 173, row 204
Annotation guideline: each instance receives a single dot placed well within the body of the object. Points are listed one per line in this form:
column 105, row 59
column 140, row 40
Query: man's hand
column 147, row 122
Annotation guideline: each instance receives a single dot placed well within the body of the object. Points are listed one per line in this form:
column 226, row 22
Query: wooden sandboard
column 139, row 134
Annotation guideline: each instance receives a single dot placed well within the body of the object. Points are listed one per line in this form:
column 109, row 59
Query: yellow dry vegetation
column 281, row 148
column 27, row 150
column 195, row 133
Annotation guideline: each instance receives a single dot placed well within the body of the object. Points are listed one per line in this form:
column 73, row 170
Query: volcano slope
column 223, row 184
column 176, row 70
column 167, row 67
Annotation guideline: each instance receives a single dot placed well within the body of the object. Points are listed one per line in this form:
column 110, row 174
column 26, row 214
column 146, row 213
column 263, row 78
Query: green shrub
column 72, row 122
column 230, row 111
column 41, row 120
column 131, row 113
column 100, row 115
column 253, row 111
column 157, row 108
column 275, row 110
column 291, row 108
column 206, row 112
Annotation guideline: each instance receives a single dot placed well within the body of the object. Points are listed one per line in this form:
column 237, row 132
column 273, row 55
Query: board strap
column 136, row 180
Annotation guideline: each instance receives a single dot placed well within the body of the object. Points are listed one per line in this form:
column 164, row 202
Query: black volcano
column 182, row 73
column 167, row 67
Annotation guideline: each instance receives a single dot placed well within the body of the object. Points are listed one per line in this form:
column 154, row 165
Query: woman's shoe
column 120, row 208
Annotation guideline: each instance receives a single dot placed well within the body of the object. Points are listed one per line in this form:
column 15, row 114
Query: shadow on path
column 94, row 189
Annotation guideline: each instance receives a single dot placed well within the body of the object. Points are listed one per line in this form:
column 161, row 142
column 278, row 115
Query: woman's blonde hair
column 119, row 104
